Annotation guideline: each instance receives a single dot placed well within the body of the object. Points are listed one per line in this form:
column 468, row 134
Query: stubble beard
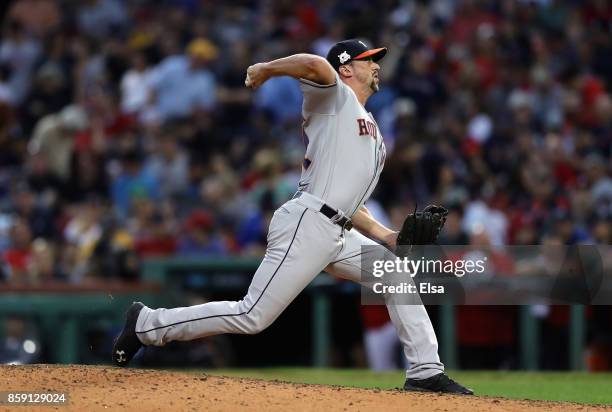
column 374, row 86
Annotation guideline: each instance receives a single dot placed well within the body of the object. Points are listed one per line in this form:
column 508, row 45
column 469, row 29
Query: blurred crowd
column 126, row 131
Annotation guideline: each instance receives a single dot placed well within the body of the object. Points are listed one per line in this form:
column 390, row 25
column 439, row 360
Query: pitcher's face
column 366, row 71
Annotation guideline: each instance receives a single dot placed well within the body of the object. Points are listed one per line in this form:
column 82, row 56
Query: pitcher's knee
column 255, row 324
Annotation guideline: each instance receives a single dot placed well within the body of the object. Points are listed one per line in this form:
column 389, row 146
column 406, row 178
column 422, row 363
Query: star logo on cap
column 344, row 57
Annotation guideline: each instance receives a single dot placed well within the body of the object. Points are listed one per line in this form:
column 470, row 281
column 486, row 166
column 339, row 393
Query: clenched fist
column 256, row 76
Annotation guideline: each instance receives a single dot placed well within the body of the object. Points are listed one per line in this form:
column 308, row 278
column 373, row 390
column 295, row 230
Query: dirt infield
column 97, row 388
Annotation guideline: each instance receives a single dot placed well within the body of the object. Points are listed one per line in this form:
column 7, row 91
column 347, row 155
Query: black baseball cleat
column 127, row 344
column 437, row 383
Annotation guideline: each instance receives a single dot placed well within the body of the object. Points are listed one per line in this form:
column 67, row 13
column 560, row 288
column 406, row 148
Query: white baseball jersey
column 345, row 152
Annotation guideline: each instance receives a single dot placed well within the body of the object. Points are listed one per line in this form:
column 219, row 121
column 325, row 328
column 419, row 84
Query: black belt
column 344, row 222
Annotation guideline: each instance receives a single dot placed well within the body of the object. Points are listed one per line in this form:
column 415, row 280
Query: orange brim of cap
column 375, row 54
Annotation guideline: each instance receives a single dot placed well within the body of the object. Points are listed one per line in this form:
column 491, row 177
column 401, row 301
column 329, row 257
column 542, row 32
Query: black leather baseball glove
column 422, row 228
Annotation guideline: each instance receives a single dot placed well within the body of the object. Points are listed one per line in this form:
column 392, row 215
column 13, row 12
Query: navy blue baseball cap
column 353, row 49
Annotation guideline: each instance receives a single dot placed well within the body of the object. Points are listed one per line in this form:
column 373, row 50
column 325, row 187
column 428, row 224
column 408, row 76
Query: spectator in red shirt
column 18, row 256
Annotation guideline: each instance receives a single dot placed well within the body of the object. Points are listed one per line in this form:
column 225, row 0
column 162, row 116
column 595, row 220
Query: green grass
column 553, row 386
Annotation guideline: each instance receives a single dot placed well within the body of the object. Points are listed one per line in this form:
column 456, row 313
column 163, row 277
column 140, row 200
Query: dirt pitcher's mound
column 96, row 388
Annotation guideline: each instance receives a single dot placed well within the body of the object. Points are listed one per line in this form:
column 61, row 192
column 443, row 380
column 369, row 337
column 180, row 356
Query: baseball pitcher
column 323, row 227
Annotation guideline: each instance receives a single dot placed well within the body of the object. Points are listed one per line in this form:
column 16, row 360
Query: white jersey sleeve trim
column 320, row 86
